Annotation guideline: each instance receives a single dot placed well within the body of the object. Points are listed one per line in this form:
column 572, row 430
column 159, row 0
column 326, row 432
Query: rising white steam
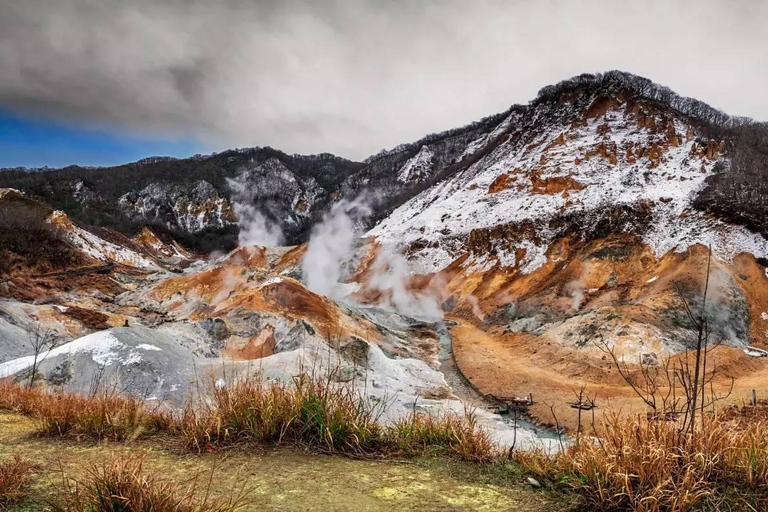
column 575, row 288
column 255, row 228
column 228, row 284
column 391, row 275
column 476, row 307
column 331, row 245
column 331, row 248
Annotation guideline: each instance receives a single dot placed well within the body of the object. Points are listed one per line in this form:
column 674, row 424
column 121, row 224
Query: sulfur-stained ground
column 289, row 479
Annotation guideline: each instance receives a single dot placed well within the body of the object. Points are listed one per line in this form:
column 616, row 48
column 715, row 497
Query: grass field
column 284, row 478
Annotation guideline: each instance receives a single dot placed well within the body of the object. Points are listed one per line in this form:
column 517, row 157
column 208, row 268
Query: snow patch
column 418, row 167
column 102, row 345
column 97, row 247
column 147, row 346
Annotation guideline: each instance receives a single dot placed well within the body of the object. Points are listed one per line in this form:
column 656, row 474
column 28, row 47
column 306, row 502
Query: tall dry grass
column 643, row 465
column 327, row 417
column 311, row 412
column 125, row 485
column 104, row 415
column 452, row 434
column 16, row 474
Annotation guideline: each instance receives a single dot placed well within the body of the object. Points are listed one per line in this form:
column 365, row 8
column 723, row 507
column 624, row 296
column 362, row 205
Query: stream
column 466, row 393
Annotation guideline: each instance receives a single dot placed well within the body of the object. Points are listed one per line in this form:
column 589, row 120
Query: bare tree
column 656, row 383
column 42, row 341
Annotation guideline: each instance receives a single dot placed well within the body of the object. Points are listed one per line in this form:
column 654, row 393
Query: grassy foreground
column 282, row 478
column 631, row 464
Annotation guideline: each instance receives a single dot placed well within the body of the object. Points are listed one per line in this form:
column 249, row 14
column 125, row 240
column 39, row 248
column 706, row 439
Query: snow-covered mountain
column 580, row 217
column 596, row 159
column 597, row 139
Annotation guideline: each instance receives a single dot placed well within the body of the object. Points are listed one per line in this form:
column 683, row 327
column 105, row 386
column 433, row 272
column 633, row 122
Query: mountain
column 499, row 259
column 193, row 198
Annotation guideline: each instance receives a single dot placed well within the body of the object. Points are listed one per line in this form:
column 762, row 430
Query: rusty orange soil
column 516, row 364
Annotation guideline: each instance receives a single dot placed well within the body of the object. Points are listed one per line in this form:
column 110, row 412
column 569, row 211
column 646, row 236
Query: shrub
column 327, row 417
column 651, row 466
column 15, row 477
column 454, row 434
column 100, row 416
column 123, row 485
column 26, row 237
column 311, row 411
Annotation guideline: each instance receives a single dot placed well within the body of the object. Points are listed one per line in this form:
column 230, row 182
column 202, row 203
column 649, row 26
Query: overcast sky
column 353, row 77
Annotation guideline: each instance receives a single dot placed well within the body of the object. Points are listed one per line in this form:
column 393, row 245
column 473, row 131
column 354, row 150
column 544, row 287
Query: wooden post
column 754, row 398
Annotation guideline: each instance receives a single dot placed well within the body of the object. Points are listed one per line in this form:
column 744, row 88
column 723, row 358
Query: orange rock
column 600, row 106
column 502, row 182
column 672, row 136
column 630, row 156
column 553, row 185
column 713, row 150
column 654, row 155
column 559, row 141
column 605, row 150
column 262, row 345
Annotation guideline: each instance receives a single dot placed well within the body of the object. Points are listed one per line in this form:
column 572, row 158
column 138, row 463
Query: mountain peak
column 634, row 86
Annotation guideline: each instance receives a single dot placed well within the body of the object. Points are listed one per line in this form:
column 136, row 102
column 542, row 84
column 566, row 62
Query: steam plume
column 255, row 228
column 331, row 245
column 391, row 275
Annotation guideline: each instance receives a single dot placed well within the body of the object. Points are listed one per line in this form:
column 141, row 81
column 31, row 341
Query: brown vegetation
column 124, row 485
column 16, row 475
column 311, row 412
column 28, row 242
column 640, row 465
column 102, row 415
column 88, row 317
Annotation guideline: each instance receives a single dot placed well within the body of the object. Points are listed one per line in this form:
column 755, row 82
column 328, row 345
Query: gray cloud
column 352, row 77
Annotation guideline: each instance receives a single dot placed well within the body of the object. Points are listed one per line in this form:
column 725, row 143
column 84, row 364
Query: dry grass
column 15, row 477
column 310, row 412
column 101, row 416
column 326, row 417
column 634, row 464
column 124, row 485
column 651, row 466
column 456, row 435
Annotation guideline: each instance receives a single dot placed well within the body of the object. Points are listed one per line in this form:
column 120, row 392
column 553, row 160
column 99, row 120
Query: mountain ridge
column 113, row 204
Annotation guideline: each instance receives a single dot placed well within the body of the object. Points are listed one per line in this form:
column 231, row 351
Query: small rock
column 344, row 374
column 61, row 374
column 533, row 482
column 216, row 327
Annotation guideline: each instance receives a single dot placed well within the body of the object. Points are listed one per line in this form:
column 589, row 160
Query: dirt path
column 289, row 479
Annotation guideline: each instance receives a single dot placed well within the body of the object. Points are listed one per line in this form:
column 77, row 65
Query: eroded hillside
column 499, row 260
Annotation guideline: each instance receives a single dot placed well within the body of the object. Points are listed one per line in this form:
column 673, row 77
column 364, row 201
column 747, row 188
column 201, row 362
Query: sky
column 99, row 82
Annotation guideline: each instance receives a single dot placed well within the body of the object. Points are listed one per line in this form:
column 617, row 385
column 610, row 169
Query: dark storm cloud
column 351, row 77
